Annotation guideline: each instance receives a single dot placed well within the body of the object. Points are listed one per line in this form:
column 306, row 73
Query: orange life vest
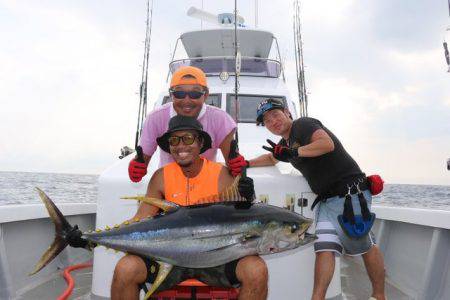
column 188, row 191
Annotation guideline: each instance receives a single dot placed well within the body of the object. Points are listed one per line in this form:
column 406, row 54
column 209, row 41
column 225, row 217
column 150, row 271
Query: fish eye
column 294, row 228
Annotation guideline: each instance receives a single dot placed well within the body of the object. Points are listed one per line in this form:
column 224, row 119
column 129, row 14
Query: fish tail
column 62, row 226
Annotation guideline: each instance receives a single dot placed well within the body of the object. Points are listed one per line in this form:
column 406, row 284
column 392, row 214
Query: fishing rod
column 237, row 70
column 143, row 87
column 234, row 146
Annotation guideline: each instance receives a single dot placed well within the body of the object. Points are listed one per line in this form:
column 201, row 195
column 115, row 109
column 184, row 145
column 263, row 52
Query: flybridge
column 220, row 42
column 213, row 51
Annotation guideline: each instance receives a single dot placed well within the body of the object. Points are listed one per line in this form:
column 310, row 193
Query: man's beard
column 185, row 164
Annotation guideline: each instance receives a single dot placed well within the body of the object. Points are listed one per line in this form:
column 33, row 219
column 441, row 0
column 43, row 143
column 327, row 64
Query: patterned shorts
column 330, row 235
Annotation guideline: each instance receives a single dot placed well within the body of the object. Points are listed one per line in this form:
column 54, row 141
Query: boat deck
column 355, row 284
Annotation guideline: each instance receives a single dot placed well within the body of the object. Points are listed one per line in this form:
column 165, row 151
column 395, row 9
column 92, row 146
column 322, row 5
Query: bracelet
column 247, row 163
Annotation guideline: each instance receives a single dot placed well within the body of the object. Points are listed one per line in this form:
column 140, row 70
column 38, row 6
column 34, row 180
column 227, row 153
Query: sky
column 375, row 74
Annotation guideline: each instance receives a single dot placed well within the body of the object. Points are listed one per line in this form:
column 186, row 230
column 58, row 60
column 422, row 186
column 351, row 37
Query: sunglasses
column 183, row 94
column 187, row 139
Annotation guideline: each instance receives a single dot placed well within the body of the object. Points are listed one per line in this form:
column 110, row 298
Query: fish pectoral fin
column 164, row 270
column 223, row 247
column 250, row 237
column 243, row 240
column 166, row 206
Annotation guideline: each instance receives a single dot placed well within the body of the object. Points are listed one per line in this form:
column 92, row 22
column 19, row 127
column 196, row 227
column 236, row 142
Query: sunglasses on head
column 182, row 94
column 188, row 139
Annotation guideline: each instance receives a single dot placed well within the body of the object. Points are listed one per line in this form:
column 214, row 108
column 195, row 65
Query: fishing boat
column 414, row 242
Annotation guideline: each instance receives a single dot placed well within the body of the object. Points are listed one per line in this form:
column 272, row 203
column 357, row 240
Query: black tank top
column 328, row 170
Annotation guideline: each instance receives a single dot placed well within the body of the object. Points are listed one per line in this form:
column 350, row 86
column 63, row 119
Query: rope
column 69, row 279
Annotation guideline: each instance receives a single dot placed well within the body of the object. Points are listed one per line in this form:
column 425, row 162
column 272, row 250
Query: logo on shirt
column 295, row 145
column 176, row 195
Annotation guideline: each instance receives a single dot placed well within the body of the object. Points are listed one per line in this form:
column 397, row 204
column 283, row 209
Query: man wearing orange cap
column 188, row 92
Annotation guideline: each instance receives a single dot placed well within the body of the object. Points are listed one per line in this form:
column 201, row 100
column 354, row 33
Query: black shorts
column 220, row 276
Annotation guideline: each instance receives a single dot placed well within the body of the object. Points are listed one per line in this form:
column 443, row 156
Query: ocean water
column 19, row 188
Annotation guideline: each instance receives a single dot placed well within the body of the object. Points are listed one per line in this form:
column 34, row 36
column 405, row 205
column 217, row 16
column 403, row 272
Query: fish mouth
column 283, row 244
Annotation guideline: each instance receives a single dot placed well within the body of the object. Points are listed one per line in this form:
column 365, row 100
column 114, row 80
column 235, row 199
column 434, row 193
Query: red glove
column 136, row 170
column 236, row 164
column 376, row 184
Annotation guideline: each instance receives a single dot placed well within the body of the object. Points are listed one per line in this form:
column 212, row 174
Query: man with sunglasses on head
column 188, row 91
column 330, row 172
column 188, row 181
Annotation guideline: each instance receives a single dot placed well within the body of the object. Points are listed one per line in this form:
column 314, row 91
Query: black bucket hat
column 178, row 123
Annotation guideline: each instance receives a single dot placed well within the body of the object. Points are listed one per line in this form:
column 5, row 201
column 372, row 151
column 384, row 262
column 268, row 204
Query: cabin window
column 250, row 66
column 213, row 99
column 247, row 106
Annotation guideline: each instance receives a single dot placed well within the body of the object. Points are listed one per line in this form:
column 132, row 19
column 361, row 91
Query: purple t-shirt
column 216, row 122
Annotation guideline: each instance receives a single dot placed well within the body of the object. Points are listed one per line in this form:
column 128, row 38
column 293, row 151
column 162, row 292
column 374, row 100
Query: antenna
column 222, row 19
column 203, row 15
column 256, row 13
column 201, row 21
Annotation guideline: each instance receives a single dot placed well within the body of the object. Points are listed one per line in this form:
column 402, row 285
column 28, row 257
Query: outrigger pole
column 143, row 87
column 300, row 69
column 446, row 53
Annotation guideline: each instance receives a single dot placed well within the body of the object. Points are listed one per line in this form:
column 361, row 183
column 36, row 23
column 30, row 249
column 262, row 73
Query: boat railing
column 217, row 65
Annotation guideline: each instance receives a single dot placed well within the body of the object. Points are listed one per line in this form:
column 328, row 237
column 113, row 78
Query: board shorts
column 330, row 235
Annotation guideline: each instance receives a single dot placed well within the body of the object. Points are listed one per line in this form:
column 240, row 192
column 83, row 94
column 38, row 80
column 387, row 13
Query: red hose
column 70, row 282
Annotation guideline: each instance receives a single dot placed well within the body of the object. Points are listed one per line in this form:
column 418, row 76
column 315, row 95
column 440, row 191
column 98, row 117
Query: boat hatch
column 213, row 66
column 220, row 42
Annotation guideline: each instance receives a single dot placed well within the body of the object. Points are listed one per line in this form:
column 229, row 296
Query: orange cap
column 198, row 75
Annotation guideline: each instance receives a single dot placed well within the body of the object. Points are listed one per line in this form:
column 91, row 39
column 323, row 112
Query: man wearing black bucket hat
column 337, row 179
column 189, row 180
